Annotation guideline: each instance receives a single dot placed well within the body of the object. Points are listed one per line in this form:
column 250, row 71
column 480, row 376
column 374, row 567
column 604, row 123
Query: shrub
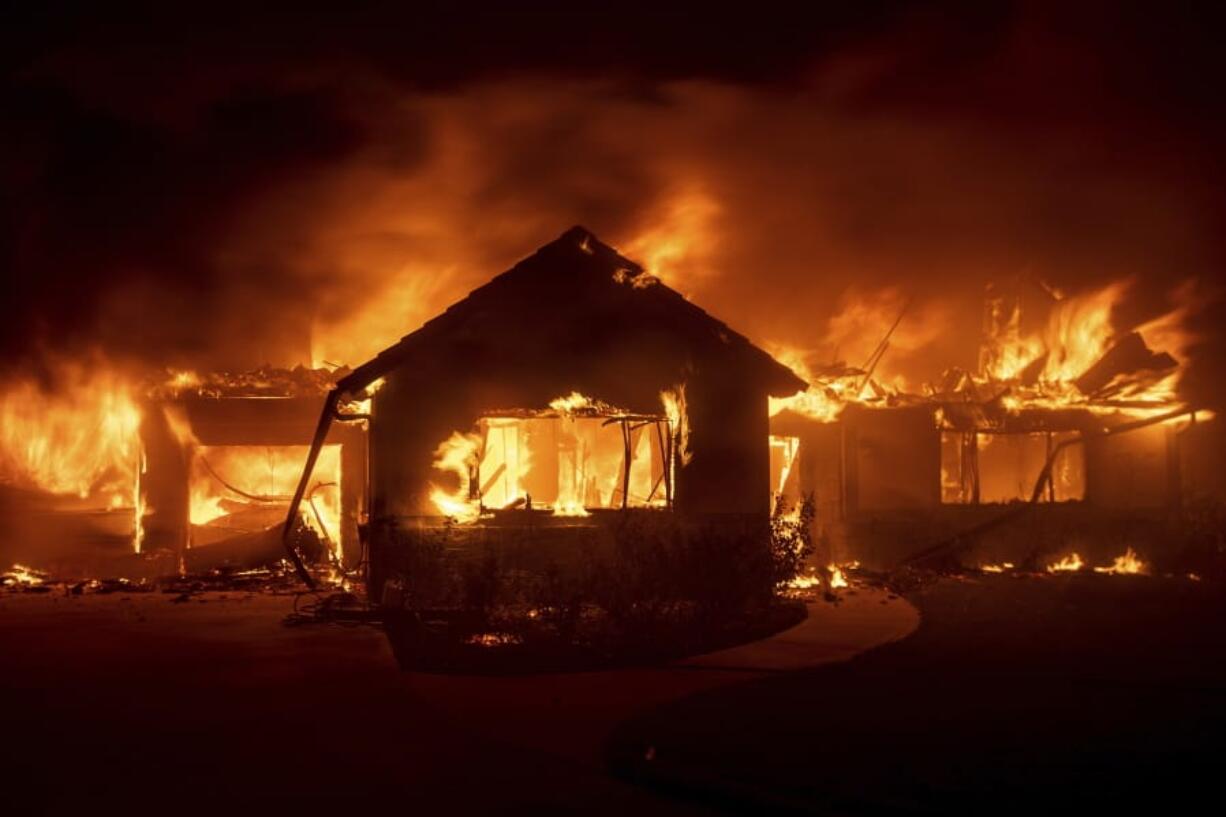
column 639, row 571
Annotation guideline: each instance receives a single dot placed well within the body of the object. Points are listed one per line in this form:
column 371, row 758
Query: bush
column 634, row 575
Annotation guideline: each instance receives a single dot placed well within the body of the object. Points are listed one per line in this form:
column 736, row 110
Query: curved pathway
column 572, row 714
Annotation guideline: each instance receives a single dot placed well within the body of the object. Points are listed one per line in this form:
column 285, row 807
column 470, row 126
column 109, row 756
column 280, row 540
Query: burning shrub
column 791, row 537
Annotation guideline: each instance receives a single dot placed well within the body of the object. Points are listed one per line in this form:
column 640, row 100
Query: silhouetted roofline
column 779, row 380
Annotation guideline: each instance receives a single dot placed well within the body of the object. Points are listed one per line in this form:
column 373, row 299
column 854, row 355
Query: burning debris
column 1069, row 564
column 1126, row 564
column 22, row 576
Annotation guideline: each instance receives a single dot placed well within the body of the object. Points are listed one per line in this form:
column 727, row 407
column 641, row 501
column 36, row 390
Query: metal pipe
column 317, row 444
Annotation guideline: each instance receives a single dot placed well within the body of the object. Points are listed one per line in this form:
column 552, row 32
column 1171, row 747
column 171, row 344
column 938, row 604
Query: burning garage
column 181, row 472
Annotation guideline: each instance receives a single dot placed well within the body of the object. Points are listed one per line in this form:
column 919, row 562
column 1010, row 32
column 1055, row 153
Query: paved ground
column 1014, row 695
column 169, row 707
column 1076, row 694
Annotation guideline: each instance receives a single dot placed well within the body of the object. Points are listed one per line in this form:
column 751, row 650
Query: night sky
column 204, row 188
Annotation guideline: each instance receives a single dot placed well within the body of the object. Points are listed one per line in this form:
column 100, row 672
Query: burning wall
column 181, row 464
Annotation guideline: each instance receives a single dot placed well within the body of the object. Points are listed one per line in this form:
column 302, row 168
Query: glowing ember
column 20, row 575
column 1069, row 564
column 1128, row 563
column 1000, row 568
column 494, row 640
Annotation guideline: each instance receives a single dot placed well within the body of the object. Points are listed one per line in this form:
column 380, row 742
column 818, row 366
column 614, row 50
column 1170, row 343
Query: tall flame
column 1079, row 332
column 678, row 246
column 82, row 439
column 676, row 411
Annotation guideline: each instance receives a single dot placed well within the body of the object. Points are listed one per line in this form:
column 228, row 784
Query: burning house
column 571, row 387
column 1069, row 440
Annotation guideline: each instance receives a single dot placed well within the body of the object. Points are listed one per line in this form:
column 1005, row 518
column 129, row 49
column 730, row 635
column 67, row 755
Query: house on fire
column 572, row 387
column 1002, row 466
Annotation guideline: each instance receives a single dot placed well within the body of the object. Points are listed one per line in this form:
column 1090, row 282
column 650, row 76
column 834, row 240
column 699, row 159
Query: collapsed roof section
column 264, row 382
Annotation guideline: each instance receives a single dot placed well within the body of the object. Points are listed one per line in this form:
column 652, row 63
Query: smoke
column 278, row 210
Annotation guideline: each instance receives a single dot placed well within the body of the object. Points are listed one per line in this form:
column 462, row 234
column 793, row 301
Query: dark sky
column 176, row 182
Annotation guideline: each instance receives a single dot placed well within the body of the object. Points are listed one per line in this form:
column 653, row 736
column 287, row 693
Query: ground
column 169, row 706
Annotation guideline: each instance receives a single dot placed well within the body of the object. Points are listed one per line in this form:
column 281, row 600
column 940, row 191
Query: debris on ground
column 342, row 607
column 277, row 579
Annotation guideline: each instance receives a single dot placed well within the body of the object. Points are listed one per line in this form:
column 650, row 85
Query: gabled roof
column 577, row 289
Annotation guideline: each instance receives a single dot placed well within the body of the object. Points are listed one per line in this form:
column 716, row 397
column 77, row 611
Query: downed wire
column 343, row 608
column 269, row 498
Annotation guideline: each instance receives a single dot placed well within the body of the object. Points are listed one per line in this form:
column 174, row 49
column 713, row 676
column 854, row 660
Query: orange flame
column 1128, row 563
column 457, row 455
column 678, row 247
column 82, row 439
column 1069, row 564
column 822, row 401
column 1079, row 331
column 837, row 577
column 678, row 420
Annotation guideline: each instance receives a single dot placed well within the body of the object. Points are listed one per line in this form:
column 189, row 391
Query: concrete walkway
column 570, row 715
column 137, row 699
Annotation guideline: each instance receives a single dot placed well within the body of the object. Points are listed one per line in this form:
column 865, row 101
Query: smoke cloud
column 311, row 203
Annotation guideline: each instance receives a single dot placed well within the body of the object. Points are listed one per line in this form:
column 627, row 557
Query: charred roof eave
column 578, row 264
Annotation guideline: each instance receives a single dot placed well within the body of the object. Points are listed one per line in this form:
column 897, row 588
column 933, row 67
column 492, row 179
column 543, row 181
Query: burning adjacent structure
column 118, row 478
column 1070, row 437
column 572, row 386
column 223, row 454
